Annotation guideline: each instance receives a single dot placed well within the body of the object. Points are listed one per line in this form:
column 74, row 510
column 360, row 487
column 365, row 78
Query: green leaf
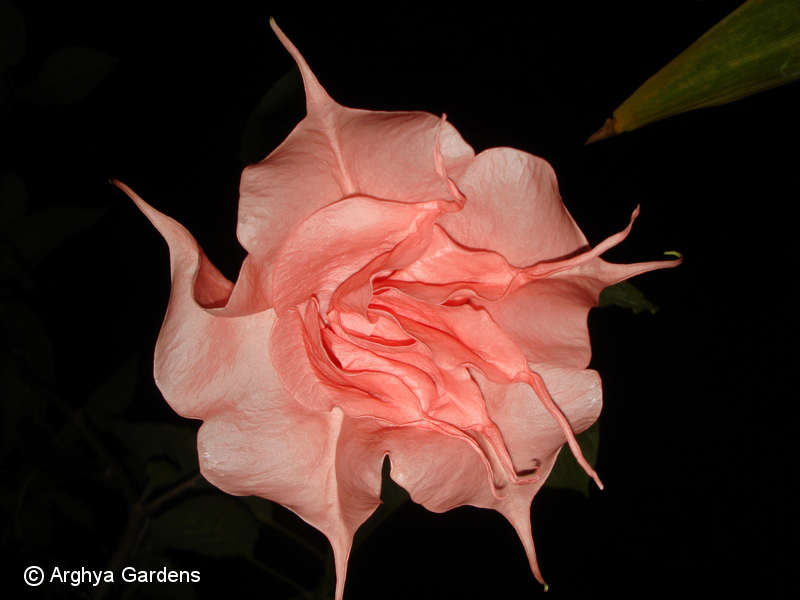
column 567, row 473
column 626, row 295
column 211, row 524
column 274, row 117
column 68, row 75
column 754, row 48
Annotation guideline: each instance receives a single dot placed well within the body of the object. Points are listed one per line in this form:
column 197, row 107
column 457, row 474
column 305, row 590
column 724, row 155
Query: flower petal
column 338, row 241
column 547, row 317
column 528, row 428
column 513, row 208
column 256, row 439
column 336, row 152
column 271, row 446
column 534, row 438
column 442, row 472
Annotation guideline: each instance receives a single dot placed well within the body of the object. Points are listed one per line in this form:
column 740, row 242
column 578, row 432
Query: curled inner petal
column 391, row 332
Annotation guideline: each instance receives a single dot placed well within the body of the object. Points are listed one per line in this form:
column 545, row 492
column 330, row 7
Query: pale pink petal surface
column 514, row 209
column 401, row 297
column 334, row 153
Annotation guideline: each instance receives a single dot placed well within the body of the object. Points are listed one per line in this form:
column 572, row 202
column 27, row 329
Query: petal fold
column 513, row 208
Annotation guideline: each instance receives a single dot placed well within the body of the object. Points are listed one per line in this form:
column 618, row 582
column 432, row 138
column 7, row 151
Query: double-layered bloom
column 401, row 297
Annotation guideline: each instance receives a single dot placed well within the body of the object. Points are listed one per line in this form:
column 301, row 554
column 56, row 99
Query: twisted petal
column 514, row 209
column 256, row 439
column 336, row 152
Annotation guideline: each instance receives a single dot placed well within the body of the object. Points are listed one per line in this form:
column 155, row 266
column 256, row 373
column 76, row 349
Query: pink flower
column 401, row 297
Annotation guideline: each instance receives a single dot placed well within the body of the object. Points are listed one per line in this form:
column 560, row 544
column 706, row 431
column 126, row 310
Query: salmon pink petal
column 515, row 407
column 338, row 241
column 271, row 446
column 514, row 208
column 533, row 438
column 256, row 439
column 448, row 272
column 547, row 319
column 317, row 380
column 195, row 377
column 547, row 315
column 444, row 473
column 336, row 152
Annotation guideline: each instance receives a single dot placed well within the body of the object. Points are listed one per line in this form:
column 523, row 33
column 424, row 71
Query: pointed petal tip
column 341, row 556
column 143, row 206
column 317, row 98
column 282, row 37
column 169, row 228
column 606, row 131
column 131, row 194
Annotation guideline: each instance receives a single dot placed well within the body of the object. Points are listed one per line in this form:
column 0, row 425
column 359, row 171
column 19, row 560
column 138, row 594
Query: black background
column 699, row 421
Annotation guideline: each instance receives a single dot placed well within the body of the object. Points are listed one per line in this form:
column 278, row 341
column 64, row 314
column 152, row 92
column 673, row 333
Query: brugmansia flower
column 401, row 297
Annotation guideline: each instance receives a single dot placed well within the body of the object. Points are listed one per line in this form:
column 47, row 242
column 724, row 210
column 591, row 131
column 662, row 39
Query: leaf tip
column 606, row 131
